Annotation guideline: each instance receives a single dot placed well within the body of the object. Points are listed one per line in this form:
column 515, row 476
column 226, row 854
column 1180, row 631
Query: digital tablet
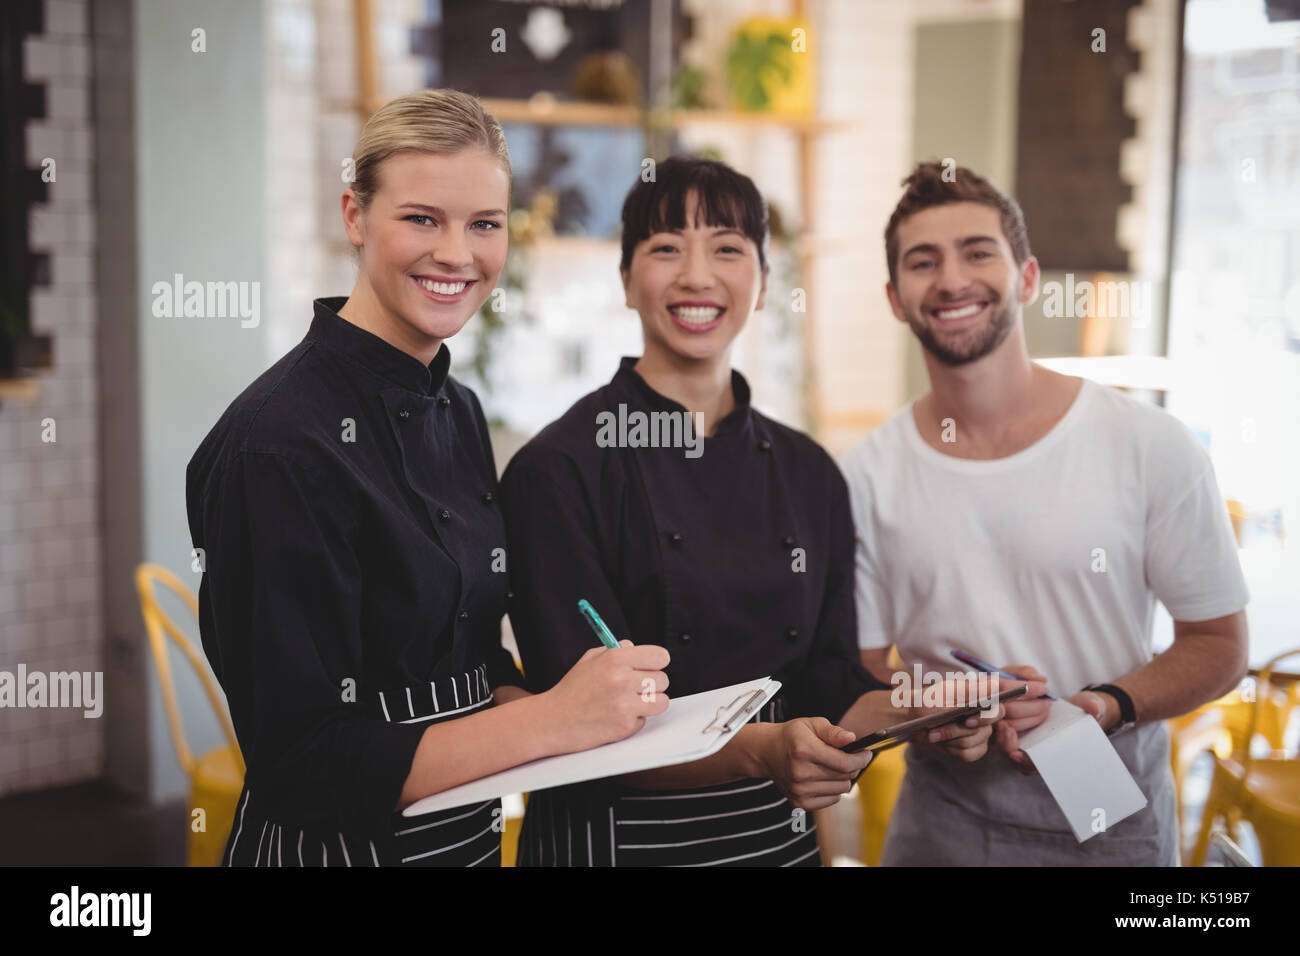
column 888, row 737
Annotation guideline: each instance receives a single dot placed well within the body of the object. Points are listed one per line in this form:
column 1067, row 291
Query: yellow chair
column 1221, row 726
column 510, row 838
column 1263, row 791
column 877, row 792
column 217, row 777
column 1191, row 735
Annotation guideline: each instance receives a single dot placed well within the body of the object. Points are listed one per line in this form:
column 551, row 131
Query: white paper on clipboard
column 676, row 736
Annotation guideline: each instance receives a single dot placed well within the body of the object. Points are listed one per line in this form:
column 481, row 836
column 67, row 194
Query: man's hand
column 967, row 740
column 1022, row 714
column 1099, row 704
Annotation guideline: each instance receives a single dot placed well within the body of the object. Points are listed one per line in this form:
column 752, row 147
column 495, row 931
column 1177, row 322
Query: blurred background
column 1153, row 144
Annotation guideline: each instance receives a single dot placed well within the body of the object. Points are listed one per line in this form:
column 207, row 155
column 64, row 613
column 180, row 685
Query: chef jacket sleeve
column 283, row 591
column 833, row 677
column 555, row 560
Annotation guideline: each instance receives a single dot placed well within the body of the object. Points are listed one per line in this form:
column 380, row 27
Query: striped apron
column 463, row 836
column 743, row 823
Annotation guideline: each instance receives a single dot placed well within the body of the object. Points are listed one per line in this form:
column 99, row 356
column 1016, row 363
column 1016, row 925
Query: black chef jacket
column 354, row 582
column 740, row 562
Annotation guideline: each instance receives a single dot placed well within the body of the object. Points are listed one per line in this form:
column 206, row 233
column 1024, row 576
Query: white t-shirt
column 1053, row 556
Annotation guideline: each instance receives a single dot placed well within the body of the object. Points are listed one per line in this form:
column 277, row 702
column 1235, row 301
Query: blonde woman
column 347, row 505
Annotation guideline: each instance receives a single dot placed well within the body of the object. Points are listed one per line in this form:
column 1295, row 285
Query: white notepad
column 678, row 735
column 1087, row 779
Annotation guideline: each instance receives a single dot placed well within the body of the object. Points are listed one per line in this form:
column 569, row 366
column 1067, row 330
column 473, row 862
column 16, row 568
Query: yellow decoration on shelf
column 770, row 66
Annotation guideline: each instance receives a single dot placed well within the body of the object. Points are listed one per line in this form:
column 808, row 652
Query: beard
column 977, row 344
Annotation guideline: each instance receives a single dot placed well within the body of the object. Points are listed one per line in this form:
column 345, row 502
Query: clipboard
column 692, row 728
column 888, row 737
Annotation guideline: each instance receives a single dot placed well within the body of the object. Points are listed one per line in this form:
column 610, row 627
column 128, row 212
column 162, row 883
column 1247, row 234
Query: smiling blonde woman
column 347, row 504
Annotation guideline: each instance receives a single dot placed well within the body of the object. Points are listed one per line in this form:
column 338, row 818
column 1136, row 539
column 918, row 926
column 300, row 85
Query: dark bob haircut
column 725, row 198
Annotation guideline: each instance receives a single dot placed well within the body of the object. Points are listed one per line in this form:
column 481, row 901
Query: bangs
column 725, row 199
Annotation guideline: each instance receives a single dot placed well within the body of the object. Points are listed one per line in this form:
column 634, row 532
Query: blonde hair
column 442, row 122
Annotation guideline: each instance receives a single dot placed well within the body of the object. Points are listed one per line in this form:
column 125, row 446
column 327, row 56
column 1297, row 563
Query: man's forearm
column 1207, row 659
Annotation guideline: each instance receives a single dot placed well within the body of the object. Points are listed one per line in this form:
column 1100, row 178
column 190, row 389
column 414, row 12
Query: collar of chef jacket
column 385, row 360
column 738, row 420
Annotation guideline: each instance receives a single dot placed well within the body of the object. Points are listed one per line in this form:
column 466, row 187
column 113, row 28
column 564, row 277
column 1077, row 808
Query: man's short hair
column 926, row 187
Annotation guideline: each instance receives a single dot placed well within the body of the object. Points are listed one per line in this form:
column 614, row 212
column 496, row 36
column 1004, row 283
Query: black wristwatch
column 1127, row 713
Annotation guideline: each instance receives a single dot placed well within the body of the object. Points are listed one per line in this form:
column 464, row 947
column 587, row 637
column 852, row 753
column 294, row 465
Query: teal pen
column 597, row 625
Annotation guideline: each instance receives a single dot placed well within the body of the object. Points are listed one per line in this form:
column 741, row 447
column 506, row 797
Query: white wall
column 200, row 181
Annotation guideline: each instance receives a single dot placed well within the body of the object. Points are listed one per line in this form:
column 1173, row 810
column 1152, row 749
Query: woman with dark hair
column 708, row 528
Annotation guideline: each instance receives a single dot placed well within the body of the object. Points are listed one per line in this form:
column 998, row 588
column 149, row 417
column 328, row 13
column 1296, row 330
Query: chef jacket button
column 444, row 514
column 675, row 537
column 488, row 497
column 792, row 634
column 765, row 445
column 463, row 615
column 684, row 637
column 403, row 414
column 443, row 401
column 787, row 542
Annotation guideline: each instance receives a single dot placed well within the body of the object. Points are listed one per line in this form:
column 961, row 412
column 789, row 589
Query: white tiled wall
column 313, row 125
column 50, row 603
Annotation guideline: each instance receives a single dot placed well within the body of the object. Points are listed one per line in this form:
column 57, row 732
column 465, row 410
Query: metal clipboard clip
column 739, row 711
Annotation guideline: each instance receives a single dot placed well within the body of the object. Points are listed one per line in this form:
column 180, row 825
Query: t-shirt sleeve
column 874, row 609
column 1190, row 558
column 281, row 598
column 833, row 677
column 554, row 561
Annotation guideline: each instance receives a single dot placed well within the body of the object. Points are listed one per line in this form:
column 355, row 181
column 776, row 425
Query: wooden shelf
column 548, row 112
column 22, row 389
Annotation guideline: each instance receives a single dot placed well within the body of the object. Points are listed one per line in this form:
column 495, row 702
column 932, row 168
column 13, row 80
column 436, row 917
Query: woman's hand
column 802, row 757
column 607, row 695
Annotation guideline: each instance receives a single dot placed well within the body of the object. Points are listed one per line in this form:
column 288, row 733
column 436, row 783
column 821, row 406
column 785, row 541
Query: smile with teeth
column 442, row 288
column 959, row 312
column 695, row 314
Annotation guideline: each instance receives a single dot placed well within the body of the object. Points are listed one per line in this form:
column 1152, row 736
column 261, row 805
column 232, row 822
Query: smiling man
column 1031, row 519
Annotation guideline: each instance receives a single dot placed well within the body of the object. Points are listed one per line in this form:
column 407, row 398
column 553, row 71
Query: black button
column 684, row 638
column 510, row 595
column 765, row 445
column 443, row 401
column 444, row 514
column 787, row 542
column 791, row 634
column 403, row 414
column 675, row 537
column 488, row 497
column 463, row 616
